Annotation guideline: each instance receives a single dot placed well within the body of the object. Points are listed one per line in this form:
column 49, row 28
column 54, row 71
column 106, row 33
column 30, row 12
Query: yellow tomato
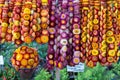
column 95, row 21
column 19, row 57
column 95, row 52
column 17, row 50
column 111, row 39
column 27, row 11
column 109, row 33
column 16, row 23
column 84, row 39
column 118, row 53
column 16, row 35
column 111, row 53
column 4, row 24
column 103, row 48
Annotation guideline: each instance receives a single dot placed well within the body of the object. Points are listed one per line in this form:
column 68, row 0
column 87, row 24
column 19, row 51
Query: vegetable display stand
column 26, row 74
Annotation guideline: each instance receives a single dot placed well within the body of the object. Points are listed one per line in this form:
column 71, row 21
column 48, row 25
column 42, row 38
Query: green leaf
column 43, row 75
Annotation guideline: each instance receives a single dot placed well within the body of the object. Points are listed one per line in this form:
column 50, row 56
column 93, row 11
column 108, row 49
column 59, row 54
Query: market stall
column 59, row 39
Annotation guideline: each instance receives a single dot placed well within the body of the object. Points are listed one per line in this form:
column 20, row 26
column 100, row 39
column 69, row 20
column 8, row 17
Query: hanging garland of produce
column 94, row 52
column 44, row 21
column 36, row 17
column 115, row 12
column 70, row 12
column 76, row 32
column 63, row 35
column 110, row 34
column 118, row 26
column 57, row 35
column 25, row 23
column 25, row 58
column 84, row 18
column 4, row 20
column 103, row 25
column 10, row 23
column 89, row 33
column 52, row 31
column 16, row 27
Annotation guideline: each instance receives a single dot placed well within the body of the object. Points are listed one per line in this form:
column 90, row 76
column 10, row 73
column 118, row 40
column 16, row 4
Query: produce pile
column 76, row 30
column 25, row 58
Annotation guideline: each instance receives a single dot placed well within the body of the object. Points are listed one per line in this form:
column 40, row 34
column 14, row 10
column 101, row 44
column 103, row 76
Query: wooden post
column 57, row 74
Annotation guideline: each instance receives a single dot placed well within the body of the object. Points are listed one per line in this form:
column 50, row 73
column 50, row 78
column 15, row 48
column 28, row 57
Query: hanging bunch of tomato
column 76, row 33
column 71, row 48
column 118, row 26
column 24, row 21
column 4, row 8
column 52, row 32
column 103, row 25
column 16, row 27
column 63, row 35
column 112, row 47
column 84, row 22
column 94, row 39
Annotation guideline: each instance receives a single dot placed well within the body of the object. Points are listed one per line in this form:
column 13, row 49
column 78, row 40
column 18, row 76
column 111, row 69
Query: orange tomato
column 24, row 62
column 44, row 25
column 38, row 40
column 45, row 32
column 90, row 64
column 44, row 19
column 26, row 16
column 44, row 12
column 110, row 59
column 13, row 61
column 51, row 62
column 26, row 56
column 32, row 56
column 95, row 39
column 94, row 45
column 44, row 39
column 28, row 39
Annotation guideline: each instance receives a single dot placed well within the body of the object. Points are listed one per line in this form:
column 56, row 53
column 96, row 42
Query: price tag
column 77, row 68
column 70, row 68
column 1, row 60
column 75, row 1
